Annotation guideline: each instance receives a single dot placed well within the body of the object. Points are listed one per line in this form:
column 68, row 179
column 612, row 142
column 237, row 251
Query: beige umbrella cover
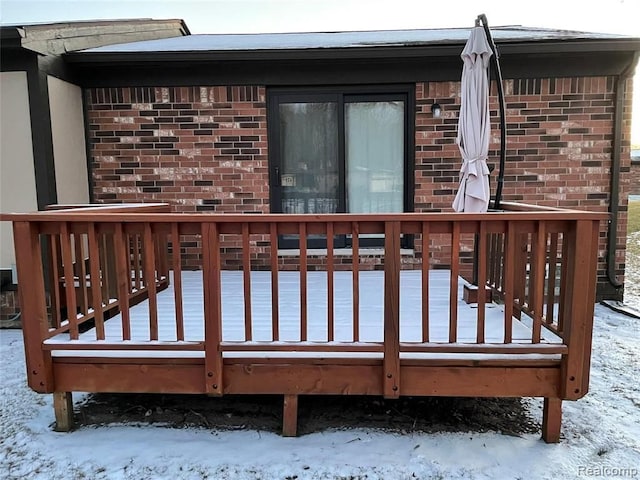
column 474, row 127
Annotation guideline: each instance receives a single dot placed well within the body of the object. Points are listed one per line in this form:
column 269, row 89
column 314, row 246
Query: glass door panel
column 309, row 157
column 309, row 163
column 374, row 154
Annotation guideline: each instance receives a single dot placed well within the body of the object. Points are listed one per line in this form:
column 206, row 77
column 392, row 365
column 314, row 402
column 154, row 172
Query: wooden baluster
column 105, row 269
column 95, row 281
column 246, row 267
column 498, row 259
column 69, row 281
column 54, row 280
column 177, row 280
column 110, row 262
column 136, row 262
column 493, row 266
column 81, row 272
column 520, row 271
column 453, row 287
column 131, row 246
column 529, row 277
column 123, row 279
column 551, row 281
column 509, row 270
column 482, row 282
column 275, row 302
column 425, row 282
column 212, row 308
column 150, row 280
column 303, row 281
column 162, row 266
column 355, row 272
column 330, row 301
column 392, row 310
column 563, row 282
column 537, row 296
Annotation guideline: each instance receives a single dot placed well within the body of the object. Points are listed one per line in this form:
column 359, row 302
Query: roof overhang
column 345, row 58
column 350, row 46
column 349, row 53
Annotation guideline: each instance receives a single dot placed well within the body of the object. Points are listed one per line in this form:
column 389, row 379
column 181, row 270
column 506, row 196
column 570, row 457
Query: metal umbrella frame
column 495, row 62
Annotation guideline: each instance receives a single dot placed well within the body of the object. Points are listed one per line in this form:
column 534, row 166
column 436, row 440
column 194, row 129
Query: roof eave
column 356, row 52
column 263, row 54
column 11, row 37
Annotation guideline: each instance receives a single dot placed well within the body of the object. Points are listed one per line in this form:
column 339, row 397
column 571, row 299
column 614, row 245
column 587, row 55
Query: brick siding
column 634, row 178
column 200, row 149
column 205, row 149
column 559, row 139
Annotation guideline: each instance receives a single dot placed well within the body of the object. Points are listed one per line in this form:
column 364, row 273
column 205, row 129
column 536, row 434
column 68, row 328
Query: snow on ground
column 601, row 437
column 632, row 272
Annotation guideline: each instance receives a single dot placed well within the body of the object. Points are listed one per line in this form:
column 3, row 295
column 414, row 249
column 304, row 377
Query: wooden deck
column 125, row 315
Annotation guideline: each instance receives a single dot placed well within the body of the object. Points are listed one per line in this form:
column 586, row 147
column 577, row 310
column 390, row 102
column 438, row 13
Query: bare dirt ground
column 316, row 413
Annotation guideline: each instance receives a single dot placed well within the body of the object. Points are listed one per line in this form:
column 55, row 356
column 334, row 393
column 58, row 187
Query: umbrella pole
column 503, row 127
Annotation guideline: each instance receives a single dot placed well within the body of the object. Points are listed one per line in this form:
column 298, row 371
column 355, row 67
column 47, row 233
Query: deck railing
column 541, row 263
column 92, row 259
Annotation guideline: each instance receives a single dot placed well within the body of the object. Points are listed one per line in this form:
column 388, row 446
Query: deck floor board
column 371, row 311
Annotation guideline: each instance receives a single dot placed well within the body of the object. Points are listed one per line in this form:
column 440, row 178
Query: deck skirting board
column 350, row 379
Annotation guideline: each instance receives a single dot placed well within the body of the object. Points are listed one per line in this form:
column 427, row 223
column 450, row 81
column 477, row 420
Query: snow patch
column 601, row 432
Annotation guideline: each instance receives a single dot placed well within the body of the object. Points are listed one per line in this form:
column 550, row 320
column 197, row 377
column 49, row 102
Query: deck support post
column 33, row 305
column 579, row 299
column 551, row 420
column 290, row 416
column 391, row 360
column 63, row 408
column 212, row 286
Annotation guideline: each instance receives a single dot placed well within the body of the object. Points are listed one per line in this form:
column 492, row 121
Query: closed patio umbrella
column 474, row 127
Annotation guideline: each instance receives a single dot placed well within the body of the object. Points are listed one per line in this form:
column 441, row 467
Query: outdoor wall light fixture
column 436, row 110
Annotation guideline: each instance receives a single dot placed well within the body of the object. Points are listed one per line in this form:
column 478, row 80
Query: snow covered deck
column 371, row 313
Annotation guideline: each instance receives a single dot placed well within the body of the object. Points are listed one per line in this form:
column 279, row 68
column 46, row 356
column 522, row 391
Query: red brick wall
column 205, row 149
column 559, row 138
column 197, row 148
column 634, row 178
column 200, row 149
column 559, row 144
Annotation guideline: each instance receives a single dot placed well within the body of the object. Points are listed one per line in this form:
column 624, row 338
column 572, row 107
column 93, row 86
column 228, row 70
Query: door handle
column 278, row 180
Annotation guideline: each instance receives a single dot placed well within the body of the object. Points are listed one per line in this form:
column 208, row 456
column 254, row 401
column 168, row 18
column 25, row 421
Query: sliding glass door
column 339, row 151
